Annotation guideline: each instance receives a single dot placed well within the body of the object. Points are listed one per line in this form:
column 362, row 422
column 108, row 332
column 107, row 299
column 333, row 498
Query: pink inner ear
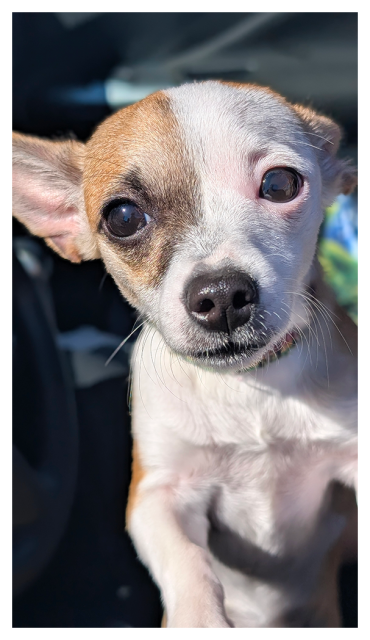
column 46, row 210
column 65, row 246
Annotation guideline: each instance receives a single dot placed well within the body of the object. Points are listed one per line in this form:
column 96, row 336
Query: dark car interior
column 73, row 562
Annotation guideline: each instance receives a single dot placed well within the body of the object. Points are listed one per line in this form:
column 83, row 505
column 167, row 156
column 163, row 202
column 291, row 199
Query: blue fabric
column 338, row 251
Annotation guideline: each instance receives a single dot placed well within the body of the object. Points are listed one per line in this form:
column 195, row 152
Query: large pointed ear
column 48, row 194
column 339, row 176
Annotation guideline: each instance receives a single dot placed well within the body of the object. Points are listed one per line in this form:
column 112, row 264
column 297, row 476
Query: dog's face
column 205, row 203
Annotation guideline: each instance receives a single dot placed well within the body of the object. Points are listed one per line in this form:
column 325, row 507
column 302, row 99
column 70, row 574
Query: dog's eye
column 280, row 185
column 124, row 219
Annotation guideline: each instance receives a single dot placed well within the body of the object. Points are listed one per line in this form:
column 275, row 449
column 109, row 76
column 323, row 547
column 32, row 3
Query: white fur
column 256, row 451
column 253, row 452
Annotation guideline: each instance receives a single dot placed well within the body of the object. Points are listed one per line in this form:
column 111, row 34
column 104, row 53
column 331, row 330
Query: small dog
column 205, row 203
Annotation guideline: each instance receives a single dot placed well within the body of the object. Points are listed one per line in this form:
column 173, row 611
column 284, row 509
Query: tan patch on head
column 139, row 154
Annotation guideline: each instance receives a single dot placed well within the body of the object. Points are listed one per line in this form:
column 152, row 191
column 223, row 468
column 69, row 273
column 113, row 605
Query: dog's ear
column 48, row 194
column 339, row 176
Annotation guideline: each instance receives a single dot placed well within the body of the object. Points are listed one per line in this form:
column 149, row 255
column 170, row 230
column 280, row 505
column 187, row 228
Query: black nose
column 221, row 301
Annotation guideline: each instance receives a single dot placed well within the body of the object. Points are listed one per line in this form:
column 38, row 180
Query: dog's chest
column 270, row 497
column 262, row 460
column 255, row 463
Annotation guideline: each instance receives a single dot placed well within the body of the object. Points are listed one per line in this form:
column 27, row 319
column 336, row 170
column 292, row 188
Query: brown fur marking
column 142, row 145
column 137, row 475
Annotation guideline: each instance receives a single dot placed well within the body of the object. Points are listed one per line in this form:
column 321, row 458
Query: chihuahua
column 205, row 203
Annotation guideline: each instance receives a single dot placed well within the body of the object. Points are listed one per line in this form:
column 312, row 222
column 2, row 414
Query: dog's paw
column 199, row 610
column 198, row 598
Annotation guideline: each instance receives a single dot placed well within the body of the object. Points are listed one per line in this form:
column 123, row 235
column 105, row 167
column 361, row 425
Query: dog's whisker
column 307, row 144
column 310, row 133
column 301, row 334
column 157, row 360
column 180, row 365
column 162, row 351
column 261, row 323
column 102, row 281
column 162, row 362
column 153, row 358
column 140, row 393
column 311, row 330
column 325, row 320
column 300, row 317
column 130, row 376
column 171, row 367
column 328, row 312
column 151, row 329
column 123, row 343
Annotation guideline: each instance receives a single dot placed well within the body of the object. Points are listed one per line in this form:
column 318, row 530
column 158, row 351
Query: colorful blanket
column 338, row 245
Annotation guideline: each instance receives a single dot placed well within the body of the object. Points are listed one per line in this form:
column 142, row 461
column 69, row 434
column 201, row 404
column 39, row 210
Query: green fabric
column 337, row 253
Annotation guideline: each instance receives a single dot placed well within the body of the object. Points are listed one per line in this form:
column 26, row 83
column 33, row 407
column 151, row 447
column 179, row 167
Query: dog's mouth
column 248, row 355
column 230, row 349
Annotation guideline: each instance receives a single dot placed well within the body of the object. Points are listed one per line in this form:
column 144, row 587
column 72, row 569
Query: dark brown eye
column 124, row 219
column 280, row 185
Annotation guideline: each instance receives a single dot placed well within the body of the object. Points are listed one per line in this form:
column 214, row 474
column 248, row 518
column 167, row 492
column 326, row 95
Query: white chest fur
column 254, row 453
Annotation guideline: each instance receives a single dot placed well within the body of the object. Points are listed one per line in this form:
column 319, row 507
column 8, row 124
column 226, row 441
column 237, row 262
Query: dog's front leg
column 192, row 594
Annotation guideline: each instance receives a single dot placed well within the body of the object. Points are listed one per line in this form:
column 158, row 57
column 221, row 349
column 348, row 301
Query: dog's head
column 204, row 202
